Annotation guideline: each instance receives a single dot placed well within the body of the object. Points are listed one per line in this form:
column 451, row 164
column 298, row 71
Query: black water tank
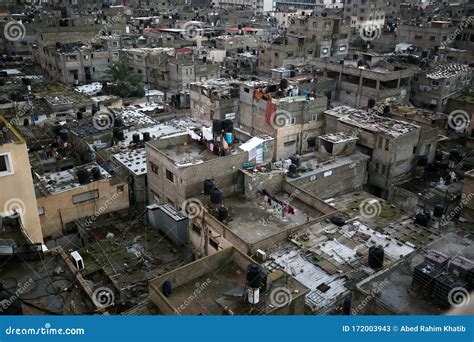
column 295, row 159
column 422, row 219
column 95, row 172
column 79, row 115
column 119, row 135
column 57, row 128
column 254, row 279
column 209, row 184
column 223, row 213
column 118, row 122
column 216, row 126
column 438, row 210
column 26, row 122
column 228, row 126
column 371, row 103
column 423, row 161
column 216, row 196
column 64, row 134
column 83, row 176
column 146, row 136
column 136, row 138
column 292, row 169
column 386, row 110
column 284, row 83
column 167, row 288
column 376, row 257
column 338, row 220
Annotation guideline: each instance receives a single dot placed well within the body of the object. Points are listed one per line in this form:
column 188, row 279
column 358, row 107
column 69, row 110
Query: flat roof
column 254, row 221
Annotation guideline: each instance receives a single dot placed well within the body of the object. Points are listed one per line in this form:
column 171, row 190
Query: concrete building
column 467, row 199
column 178, row 165
column 18, row 207
column 214, row 99
column 290, row 115
column 217, row 285
column 434, row 88
column 356, row 82
column 393, row 146
column 85, row 191
column 365, row 13
column 325, row 35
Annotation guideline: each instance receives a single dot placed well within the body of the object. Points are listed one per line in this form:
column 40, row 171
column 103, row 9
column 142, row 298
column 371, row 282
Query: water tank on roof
column 254, row 279
column 64, row 134
column 376, row 257
column 79, row 115
column 57, row 128
column 216, row 126
column 95, row 172
column 83, row 176
column 118, row 122
column 146, row 136
column 438, row 210
column 209, row 184
column 295, row 159
column 223, row 213
column 216, row 196
column 119, row 135
column 136, row 138
column 338, row 220
column 292, row 169
column 422, row 219
column 228, row 125
column 371, row 103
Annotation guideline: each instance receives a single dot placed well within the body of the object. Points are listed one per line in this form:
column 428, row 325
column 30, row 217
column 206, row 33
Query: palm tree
column 127, row 82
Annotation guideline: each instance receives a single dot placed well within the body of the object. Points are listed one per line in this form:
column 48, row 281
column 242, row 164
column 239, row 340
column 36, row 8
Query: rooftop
column 56, row 182
column 372, row 122
column 442, row 71
column 397, row 293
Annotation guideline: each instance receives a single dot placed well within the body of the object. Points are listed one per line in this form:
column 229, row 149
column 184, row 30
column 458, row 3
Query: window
column 386, row 145
column 120, row 188
column 290, row 121
column 247, row 90
column 311, row 142
column 170, row 176
column 85, row 196
column 342, row 48
column 434, row 83
column 6, row 167
column 154, row 168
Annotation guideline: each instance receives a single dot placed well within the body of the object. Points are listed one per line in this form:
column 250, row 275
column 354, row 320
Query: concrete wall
column 59, row 209
column 17, row 191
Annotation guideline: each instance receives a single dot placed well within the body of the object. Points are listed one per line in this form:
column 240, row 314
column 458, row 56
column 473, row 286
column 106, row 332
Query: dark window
column 85, row 196
column 3, row 164
column 154, row 168
column 214, row 244
column 170, row 176
column 312, row 142
column 196, row 229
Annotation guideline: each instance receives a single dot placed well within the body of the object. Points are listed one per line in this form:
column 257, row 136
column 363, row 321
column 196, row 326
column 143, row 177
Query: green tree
column 127, row 82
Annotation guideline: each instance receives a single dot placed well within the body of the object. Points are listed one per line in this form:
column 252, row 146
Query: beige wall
column 59, row 209
column 17, row 190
